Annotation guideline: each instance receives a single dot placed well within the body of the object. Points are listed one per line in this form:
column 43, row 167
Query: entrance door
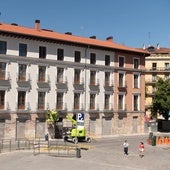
column 106, row 125
column 20, row 128
column 40, row 128
column 134, row 124
column 2, row 128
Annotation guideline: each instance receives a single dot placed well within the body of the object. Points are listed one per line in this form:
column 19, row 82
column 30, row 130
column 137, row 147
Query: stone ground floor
column 33, row 125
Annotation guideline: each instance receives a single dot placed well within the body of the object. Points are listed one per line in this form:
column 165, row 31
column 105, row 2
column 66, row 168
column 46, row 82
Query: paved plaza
column 104, row 154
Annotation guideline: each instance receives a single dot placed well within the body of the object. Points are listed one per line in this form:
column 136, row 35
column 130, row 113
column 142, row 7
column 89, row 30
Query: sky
column 133, row 23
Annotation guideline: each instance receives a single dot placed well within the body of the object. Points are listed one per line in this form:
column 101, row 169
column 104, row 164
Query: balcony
column 43, row 85
column 5, row 83
column 150, row 81
column 78, row 86
column 108, row 88
column 62, row 85
column 149, row 94
column 122, row 88
column 94, row 87
column 157, row 70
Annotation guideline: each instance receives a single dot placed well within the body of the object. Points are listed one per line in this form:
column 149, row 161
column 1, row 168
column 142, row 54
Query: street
column 105, row 154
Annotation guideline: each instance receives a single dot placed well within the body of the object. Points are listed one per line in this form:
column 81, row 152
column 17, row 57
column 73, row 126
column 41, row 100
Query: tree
column 161, row 99
column 52, row 117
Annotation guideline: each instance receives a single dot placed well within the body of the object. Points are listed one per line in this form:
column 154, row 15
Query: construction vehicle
column 78, row 131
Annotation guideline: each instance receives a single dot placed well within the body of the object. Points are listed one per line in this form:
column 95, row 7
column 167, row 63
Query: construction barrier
column 159, row 140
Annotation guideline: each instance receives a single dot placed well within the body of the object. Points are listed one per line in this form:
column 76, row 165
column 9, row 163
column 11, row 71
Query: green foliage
column 52, row 116
column 161, row 100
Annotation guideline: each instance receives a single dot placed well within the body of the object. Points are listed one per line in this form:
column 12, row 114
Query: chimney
column 93, row 37
column 158, row 46
column 109, row 39
column 68, row 33
column 37, row 25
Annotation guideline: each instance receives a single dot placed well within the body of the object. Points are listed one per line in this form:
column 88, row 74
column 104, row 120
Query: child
column 125, row 145
column 141, row 149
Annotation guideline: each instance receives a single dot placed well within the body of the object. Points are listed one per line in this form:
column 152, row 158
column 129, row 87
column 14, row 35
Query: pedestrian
column 141, row 149
column 125, row 146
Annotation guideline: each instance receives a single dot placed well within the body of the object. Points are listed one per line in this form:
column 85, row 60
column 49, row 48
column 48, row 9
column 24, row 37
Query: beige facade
column 41, row 70
column 157, row 65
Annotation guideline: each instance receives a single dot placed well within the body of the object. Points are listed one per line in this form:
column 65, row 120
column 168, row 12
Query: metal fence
column 58, row 148
column 8, row 145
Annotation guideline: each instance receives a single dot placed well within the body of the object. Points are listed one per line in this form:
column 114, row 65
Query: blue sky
column 130, row 22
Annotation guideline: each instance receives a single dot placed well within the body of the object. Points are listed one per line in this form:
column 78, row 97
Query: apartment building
column 157, row 65
column 41, row 69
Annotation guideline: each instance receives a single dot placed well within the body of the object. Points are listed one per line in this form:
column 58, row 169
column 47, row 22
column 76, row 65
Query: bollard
column 78, row 152
column 154, row 141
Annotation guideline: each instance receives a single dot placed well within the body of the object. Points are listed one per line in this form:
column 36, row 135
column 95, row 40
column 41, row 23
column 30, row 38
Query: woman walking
column 141, row 149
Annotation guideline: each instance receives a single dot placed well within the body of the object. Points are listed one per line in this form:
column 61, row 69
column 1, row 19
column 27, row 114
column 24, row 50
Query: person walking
column 125, row 146
column 141, row 149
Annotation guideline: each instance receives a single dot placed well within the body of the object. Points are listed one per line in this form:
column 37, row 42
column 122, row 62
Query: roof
column 51, row 35
column 158, row 50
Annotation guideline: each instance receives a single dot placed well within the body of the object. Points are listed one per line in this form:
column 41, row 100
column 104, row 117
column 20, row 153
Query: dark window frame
column 3, row 47
column 22, row 49
column 42, row 52
column 60, row 54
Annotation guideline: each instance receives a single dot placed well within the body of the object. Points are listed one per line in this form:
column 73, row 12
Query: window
column 22, row 72
column 77, row 56
column 107, row 78
column 59, row 100
column 77, row 76
column 154, row 65
column 41, row 100
column 136, row 81
column 76, row 100
column 92, row 101
column 42, row 52
column 107, row 60
column 60, row 72
column 154, row 77
column 120, row 102
column 166, row 66
column 92, row 58
column 42, row 71
column 121, row 80
column 121, row 61
column 60, row 54
column 153, row 89
column 3, row 47
column 2, row 71
column 135, row 102
column 136, row 63
column 92, row 77
column 22, row 49
column 21, row 99
column 166, row 76
column 106, row 101
column 2, row 99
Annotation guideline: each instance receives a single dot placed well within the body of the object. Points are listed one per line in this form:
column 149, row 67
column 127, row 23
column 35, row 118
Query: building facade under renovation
column 41, row 69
